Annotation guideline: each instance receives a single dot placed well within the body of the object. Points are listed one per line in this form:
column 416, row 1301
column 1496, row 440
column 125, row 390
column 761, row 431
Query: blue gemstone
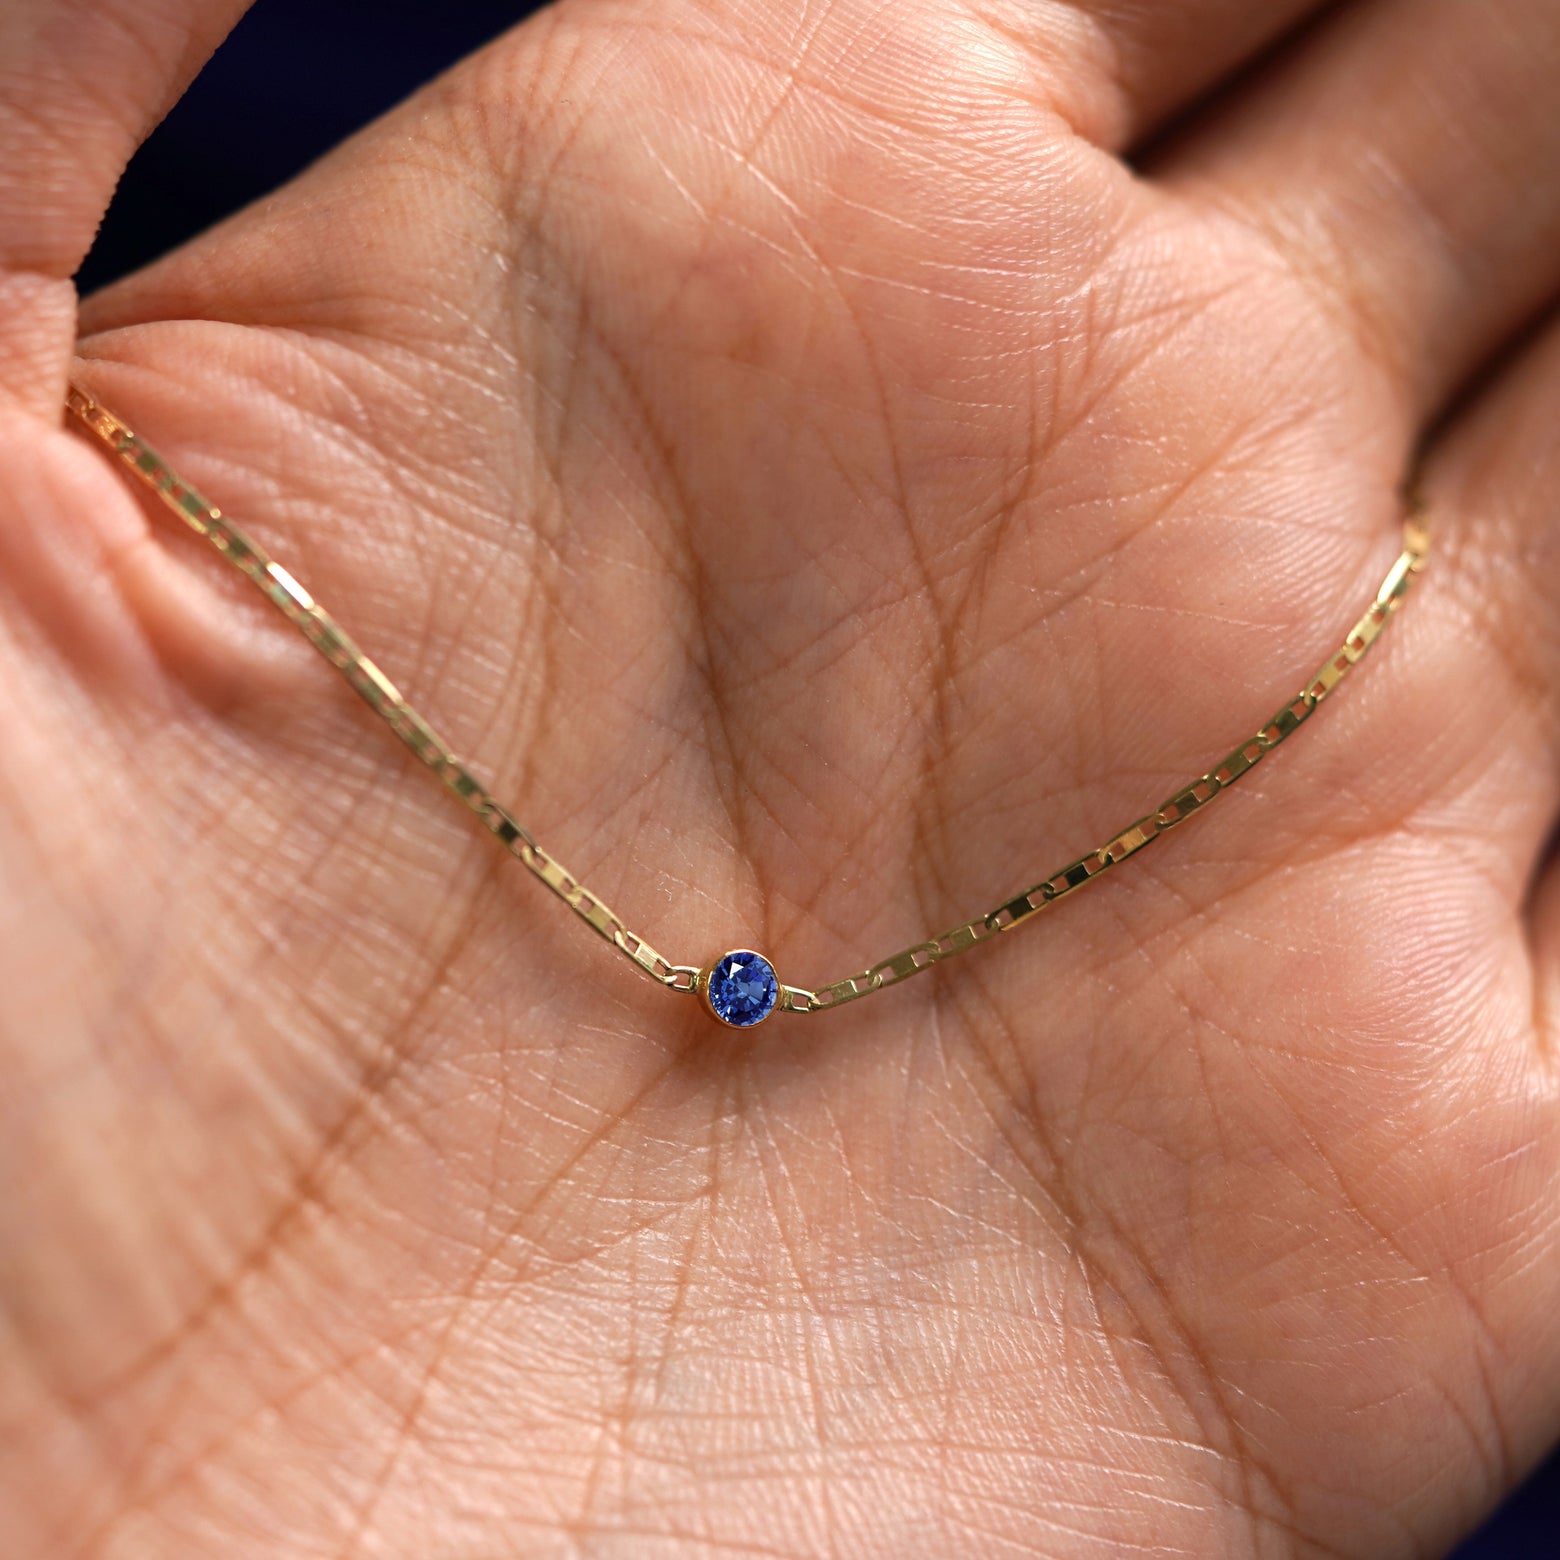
column 743, row 989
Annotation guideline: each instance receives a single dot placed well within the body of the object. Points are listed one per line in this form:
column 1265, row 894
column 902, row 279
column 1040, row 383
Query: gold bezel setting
column 739, row 989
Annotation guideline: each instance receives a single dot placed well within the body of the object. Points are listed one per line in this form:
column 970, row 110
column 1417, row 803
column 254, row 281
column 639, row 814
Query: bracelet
column 739, row 988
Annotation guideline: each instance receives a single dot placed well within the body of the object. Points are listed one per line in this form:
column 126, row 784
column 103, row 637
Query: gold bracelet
column 739, row 988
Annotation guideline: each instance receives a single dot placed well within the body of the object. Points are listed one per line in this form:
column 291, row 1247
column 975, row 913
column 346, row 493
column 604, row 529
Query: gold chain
column 332, row 642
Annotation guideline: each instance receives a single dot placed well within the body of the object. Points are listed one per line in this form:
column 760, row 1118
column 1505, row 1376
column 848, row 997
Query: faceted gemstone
column 743, row 989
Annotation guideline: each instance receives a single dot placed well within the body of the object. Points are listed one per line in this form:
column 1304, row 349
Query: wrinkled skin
column 828, row 464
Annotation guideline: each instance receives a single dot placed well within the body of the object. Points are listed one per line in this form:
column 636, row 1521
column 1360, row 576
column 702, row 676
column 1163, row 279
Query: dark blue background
column 297, row 76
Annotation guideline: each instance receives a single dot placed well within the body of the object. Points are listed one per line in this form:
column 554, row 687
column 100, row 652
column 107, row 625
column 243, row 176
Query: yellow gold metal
column 385, row 699
column 382, row 696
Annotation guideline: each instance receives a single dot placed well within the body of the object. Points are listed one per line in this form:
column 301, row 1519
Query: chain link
column 382, row 696
column 337, row 647
column 1173, row 810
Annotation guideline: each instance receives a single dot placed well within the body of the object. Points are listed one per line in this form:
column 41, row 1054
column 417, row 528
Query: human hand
column 822, row 489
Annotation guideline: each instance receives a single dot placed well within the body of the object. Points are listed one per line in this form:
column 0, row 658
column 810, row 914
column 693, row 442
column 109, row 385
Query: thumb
column 82, row 82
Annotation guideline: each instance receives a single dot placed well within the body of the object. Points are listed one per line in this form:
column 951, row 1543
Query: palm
column 820, row 511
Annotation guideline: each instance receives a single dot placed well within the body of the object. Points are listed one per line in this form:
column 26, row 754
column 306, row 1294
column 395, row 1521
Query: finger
column 1405, row 161
column 1493, row 608
column 1112, row 68
column 81, row 83
column 1496, row 605
column 1116, row 68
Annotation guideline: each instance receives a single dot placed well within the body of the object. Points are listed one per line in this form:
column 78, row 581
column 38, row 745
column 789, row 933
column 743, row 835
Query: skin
column 828, row 464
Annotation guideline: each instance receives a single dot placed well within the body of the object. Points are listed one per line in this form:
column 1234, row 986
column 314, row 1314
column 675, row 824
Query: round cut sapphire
column 742, row 989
